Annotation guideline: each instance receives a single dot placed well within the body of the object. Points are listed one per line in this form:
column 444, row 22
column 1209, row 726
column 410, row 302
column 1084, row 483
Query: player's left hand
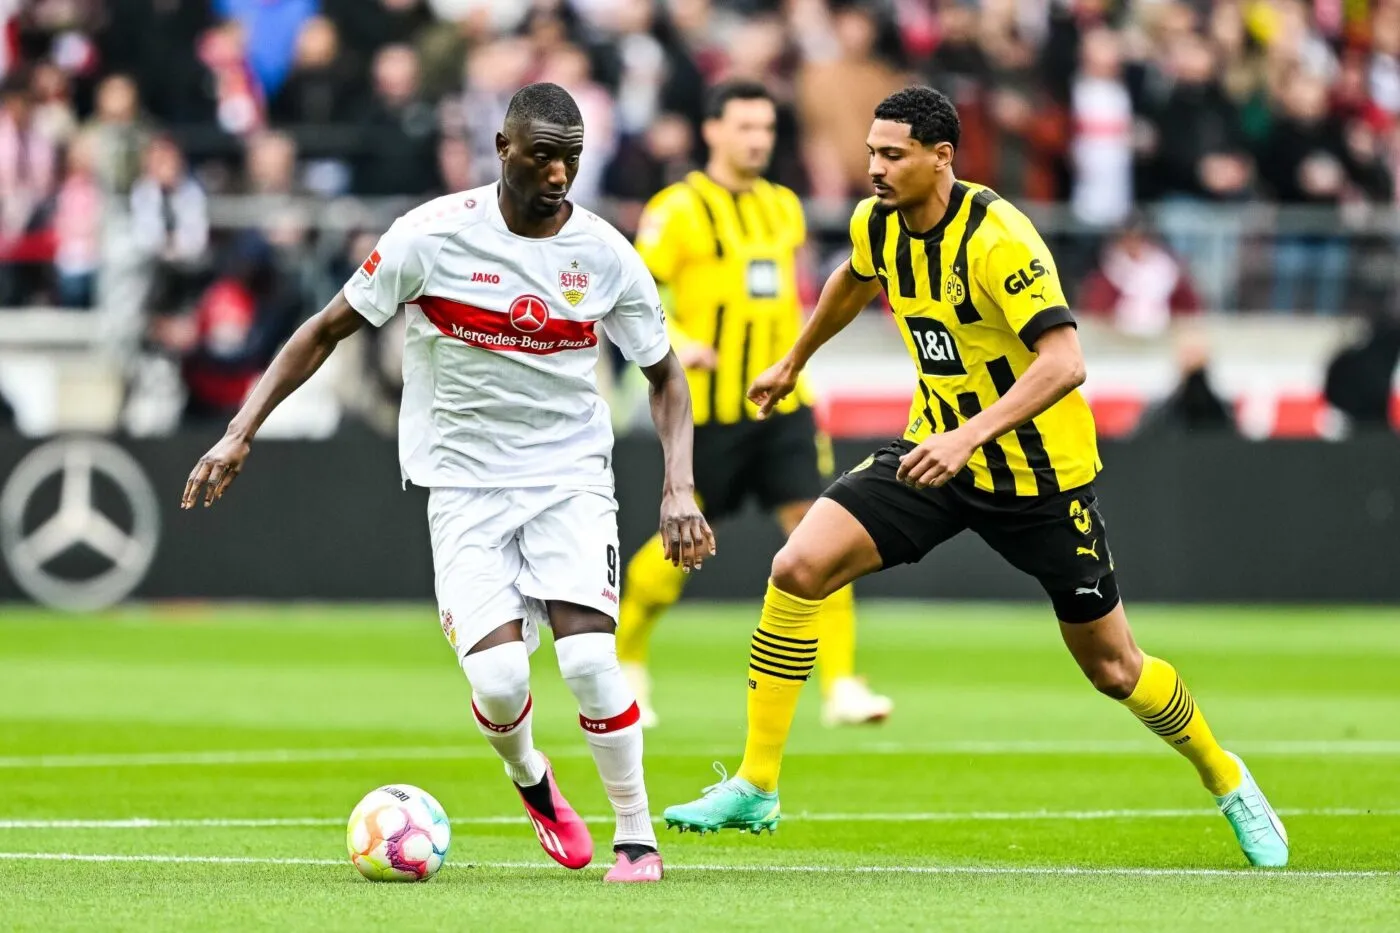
column 936, row 460
column 214, row 471
column 685, row 534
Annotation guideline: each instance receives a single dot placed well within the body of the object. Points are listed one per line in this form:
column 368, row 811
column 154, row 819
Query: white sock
column 618, row 754
column 503, row 709
column 608, row 715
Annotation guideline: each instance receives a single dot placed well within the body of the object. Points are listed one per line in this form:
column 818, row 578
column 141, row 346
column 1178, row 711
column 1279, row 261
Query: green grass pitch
column 186, row 768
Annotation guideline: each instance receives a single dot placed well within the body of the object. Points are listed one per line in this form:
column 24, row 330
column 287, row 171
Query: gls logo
column 1017, row 281
column 490, row 278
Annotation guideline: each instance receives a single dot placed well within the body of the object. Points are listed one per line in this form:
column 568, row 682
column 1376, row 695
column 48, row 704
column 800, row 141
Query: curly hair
column 930, row 115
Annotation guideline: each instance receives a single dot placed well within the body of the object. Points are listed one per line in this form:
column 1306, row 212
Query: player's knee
column 799, row 574
column 589, row 664
column 585, row 655
column 1113, row 676
column 500, row 680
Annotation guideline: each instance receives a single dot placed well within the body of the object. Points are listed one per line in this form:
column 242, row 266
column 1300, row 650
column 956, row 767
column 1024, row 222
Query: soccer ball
column 398, row 833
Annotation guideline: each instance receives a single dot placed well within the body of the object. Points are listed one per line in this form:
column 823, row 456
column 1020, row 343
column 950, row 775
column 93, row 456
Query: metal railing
column 1249, row 257
column 1253, row 258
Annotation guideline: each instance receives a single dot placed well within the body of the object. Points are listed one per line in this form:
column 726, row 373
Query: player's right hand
column 215, row 471
column 772, row 386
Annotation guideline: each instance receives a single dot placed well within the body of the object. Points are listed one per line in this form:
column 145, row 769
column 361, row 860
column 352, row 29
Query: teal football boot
column 1256, row 825
column 733, row 803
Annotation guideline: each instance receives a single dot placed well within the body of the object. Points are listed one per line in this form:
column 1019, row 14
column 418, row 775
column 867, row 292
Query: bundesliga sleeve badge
column 574, row 285
column 371, row 265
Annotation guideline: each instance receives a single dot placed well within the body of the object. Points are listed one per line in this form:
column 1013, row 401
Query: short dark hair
column 719, row 96
column 930, row 115
column 543, row 103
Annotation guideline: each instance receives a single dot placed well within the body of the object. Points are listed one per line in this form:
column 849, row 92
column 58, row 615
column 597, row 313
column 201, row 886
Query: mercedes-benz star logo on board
column 120, row 536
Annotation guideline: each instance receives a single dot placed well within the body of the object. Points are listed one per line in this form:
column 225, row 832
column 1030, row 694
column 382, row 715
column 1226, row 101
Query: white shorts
column 499, row 554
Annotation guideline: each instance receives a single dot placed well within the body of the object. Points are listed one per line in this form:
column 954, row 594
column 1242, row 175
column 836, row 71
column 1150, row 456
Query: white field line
column 947, row 816
column 1056, row 870
column 1379, row 747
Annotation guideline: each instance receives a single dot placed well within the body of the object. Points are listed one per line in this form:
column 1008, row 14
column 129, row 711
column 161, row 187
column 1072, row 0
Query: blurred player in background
column 999, row 441
column 504, row 288
column 724, row 243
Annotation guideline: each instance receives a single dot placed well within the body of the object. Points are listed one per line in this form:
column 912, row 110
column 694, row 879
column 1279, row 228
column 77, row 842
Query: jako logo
column 1017, row 281
column 489, row 278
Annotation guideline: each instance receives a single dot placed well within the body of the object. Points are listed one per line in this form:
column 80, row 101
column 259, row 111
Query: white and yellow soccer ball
column 398, row 833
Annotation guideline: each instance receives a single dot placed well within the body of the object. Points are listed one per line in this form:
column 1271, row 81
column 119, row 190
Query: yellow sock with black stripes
column 652, row 586
column 1165, row 706
column 781, row 655
column 836, row 651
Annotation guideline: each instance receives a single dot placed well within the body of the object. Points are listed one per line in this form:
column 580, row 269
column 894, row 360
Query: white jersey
column 501, row 341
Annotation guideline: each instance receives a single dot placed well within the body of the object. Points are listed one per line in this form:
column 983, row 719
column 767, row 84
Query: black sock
column 539, row 797
column 633, row 850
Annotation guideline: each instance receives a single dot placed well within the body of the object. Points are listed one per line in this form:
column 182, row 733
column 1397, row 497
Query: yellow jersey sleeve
column 665, row 229
column 862, row 262
column 1021, row 277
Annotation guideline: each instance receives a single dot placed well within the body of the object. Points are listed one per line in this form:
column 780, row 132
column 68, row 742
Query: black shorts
column 774, row 461
column 1059, row 539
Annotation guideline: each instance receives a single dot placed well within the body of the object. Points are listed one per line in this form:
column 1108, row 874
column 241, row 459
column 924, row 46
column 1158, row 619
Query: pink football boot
column 645, row 868
column 561, row 831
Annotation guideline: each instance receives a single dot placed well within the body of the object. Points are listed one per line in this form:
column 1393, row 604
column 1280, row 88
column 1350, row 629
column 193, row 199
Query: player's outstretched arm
column 685, row 534
column 843, row 297
column 302, row 355
column 1057, row 370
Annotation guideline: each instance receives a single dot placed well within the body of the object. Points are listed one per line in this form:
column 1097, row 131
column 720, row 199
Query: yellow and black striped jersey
column 728, row 261
column 972, row 296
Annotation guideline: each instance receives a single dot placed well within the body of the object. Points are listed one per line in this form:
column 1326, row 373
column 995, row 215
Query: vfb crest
column 574, row 285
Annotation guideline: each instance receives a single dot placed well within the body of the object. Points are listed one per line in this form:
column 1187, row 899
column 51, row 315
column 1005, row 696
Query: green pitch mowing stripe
column 187, row 768
column 447, row 753
column 972, row 816
column 144, row 896
column 1241, row 873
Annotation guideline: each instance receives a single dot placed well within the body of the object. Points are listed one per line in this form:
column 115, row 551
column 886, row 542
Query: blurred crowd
column 1143, row 117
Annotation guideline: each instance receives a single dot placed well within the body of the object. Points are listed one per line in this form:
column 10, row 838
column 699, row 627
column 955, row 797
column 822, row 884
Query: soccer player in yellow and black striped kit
column 724, row 243
column 999, row 441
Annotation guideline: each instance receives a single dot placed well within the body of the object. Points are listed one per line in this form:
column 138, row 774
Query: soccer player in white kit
column 504, row 288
